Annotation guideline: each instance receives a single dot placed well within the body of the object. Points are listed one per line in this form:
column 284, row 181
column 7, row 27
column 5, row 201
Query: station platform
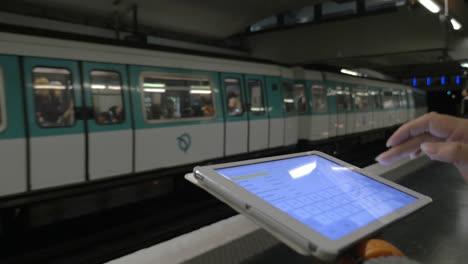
column 436, row 234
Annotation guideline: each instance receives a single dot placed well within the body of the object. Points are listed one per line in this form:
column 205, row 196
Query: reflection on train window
column 301, row 98
column 377, row 100
column 54, row 101
column 2, row 103
column 388, row 100
column 361, row 99
column 234, row 96
column 289, row 97
column 319, row 99
column 176, row 97
column 257, row 106
column 343, row 99
column 106, row 91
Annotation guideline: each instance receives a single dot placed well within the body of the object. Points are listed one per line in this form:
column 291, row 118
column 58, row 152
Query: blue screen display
column 323, row 195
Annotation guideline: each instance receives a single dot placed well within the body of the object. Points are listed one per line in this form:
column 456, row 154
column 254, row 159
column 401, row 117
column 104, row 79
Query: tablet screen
column 324, row 195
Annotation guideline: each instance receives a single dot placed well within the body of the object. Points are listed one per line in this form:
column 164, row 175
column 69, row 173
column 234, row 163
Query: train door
column 320, row 119
column 109, row 130
column 403, row 106
column 275, row 112
column 351, row 114
column 236, row 125
column 291, row 97
column 303, row 108
column 388, row 105
column 332, row 110
column 361, row 108
column 256, row 111
column 12, row 132
column 57, row 140
column 411, row 112
column 343, row 105
column 376, row 101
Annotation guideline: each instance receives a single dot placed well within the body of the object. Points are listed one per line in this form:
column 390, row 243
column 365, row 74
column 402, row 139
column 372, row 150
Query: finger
column 405, row 149
column 442, row 126
column 416, row 154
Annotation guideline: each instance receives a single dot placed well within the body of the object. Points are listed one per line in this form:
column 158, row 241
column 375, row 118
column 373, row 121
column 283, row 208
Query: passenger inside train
column 54, row 102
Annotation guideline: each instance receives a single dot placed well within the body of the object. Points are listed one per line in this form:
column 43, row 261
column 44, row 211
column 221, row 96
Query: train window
column 301, row 99
column 106, row 91
column 170, row 96
column 319, row 99
column 2, row 103
column 361, row 99
column 54, row 101
column 234, row 97
column 257, row 106
column 377, row 102
column 288, row 97
column 343, row 99
column 388, row 100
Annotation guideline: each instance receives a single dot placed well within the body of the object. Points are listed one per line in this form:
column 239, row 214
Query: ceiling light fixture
column 455, row 24
column 350, row 72
column 430, row 5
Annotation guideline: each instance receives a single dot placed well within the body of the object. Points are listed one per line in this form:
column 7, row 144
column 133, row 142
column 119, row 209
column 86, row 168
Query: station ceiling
column 405, row 41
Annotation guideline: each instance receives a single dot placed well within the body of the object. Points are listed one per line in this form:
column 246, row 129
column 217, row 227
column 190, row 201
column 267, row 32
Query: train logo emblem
column 184, row 141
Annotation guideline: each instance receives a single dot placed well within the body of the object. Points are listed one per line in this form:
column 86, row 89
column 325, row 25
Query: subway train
column 73, row 113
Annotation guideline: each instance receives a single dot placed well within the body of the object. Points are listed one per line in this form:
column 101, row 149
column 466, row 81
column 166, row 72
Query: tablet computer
column 316, row 204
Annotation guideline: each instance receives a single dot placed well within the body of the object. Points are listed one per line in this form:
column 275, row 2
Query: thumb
column 452, row 152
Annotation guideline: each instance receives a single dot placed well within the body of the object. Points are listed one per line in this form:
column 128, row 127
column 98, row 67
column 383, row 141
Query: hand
column 441, row 137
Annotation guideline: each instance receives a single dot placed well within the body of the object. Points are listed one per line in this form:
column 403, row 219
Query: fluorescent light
column 200, row 91
column 288, row 100
column 98, row 86
column 200, row 87
column 157, row 85
column 50, row 86
column 455, row 24
column 150, row 90
column 349, row 72
column 464, row 64
column 257, row 109
column 114, row 87
column 303, row 170
column 430, row 5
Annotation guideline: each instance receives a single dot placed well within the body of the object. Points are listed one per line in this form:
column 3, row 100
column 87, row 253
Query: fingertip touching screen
column 329, row 198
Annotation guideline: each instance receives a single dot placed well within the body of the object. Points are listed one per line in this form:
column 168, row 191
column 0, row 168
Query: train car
column 75, row 114
column 349, row 105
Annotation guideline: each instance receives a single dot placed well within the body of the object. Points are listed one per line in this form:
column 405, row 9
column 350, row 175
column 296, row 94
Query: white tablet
column 316, row 204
